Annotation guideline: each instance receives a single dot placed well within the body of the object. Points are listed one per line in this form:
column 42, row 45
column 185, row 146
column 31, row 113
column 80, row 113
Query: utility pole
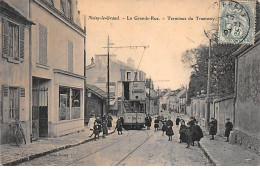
column 150, row 80
column 109, row 47
column 108, row 103
column 208, row 86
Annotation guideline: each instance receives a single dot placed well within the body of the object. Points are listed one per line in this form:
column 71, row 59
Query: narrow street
column 134, row 147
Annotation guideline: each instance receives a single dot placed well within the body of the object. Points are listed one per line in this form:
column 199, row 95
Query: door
column 40, row 113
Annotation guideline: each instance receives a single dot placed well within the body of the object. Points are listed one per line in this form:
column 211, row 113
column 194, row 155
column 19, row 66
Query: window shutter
column 5, row 99
column 5, row 38
column 70, row 56
column 22, row 104
column 42, row 45
column 22, row 43
column 122, row 75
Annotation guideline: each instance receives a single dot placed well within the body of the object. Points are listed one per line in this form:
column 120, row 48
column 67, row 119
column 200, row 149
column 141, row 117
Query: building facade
column 57, row 68
column 14, row 65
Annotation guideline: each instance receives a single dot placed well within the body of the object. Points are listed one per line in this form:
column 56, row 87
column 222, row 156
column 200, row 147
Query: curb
column 209, row 156
column 33, row 156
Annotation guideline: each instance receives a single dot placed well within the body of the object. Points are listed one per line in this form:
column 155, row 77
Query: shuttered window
column 13, row 103
column 42, row 45
column 66, row 8
column 13, row 40
column 70, row 56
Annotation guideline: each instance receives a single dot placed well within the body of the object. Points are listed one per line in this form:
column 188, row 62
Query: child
column 182, row 132
column 212, row 128
column 229, row 127
column 119, row 126
column 177, row 121
column 156, row 124
column 95, row 130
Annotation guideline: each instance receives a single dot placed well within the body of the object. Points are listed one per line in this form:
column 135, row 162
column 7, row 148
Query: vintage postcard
column 129, row 83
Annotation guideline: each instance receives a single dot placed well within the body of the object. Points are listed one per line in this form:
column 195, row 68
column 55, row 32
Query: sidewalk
column 13, row 155
column 221, row 153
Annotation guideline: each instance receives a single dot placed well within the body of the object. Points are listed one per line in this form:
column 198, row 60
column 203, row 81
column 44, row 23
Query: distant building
column 96, row 74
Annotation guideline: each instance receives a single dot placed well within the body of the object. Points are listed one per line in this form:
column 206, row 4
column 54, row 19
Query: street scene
column 129, row 83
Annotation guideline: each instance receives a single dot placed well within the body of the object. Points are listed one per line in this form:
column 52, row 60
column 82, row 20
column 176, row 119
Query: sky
column 167, row 39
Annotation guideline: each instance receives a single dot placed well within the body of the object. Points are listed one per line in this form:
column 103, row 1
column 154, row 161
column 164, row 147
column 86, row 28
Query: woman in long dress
column 169, row 131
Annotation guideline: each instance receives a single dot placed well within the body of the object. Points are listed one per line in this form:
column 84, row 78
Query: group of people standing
column 189, row 133
column 213, row 128
column 101, row 126
column 164, row 124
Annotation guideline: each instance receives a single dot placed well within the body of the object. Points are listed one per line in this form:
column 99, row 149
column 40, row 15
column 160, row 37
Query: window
column 13, row 103
column 42, row 45
column 70, row 56
column 128, row 76
column 69, row 103
column 13, row 41
column 66, row 8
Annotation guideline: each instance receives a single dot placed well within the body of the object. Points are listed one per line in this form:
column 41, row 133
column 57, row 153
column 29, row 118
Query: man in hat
column 229, row 127
column 212, row 128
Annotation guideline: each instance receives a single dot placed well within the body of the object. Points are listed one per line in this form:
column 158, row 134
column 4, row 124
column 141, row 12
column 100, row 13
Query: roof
column 7, row 9
column 183, row 95
column 97, row 91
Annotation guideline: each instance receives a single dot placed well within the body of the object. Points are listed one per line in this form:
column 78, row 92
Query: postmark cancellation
column 237, row 21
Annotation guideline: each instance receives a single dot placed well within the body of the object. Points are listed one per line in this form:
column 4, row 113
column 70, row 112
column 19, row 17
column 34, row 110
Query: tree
column 222, row 69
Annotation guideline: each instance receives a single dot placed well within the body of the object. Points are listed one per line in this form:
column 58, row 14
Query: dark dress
column 109, row 121
column 119, row 125
column 148, row 121
column 197, row 133
column 229, row 127
column 212, row 128
column 164, row 125
column 183, row 133
column 169, row 131
column 177, row 121
column 156, row 123
column 105, row 130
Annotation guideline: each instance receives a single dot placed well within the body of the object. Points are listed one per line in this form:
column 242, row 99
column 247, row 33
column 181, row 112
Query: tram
column 133, row 99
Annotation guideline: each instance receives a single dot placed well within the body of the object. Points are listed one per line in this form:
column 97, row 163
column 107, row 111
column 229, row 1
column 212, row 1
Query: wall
column 248, row 99
column 224, row 109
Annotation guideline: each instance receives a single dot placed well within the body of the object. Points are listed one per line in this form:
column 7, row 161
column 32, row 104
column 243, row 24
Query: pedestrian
column 178, row 121
column 99, row 124
column 148, row 121
column 95, row 130
column 109, row 121
column 212, row 128
column 188, row 132
column 197, row 133
column 104, row 126
column 169, row 131
column 156, row 124
column 164, row 125
column 182, row 133
column 229, row 128
column 119, row 126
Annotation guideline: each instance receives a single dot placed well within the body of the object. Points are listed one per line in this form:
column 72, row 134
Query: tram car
column 133, row 99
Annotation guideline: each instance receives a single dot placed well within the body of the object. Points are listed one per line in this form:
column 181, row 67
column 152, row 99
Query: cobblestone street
column 134, row 147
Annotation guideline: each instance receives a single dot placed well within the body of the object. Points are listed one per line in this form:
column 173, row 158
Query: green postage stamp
column 237, row 21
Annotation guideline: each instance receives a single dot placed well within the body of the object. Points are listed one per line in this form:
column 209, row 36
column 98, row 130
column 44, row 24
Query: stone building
column 57, row 68
column 15, row 26
column 43, row 67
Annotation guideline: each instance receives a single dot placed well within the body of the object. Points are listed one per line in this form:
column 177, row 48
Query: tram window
column 128, row 76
